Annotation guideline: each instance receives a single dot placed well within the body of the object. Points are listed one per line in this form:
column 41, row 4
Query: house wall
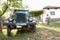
column 57, row 13
column 53, row 13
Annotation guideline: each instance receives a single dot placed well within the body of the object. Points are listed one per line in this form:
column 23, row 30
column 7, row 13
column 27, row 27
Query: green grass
column 54, row 27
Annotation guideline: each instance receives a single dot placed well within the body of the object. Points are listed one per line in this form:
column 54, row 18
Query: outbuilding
column 53, row 12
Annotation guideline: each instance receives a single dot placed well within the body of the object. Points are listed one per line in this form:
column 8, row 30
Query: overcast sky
column 39, row 4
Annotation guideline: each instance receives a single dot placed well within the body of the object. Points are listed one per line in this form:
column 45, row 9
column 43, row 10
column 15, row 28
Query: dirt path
column 45, row 34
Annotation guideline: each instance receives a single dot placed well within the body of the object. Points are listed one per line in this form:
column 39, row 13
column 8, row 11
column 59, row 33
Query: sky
column 39, row 4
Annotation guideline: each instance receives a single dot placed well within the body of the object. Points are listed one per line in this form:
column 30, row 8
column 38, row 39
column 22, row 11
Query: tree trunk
column 0, row 24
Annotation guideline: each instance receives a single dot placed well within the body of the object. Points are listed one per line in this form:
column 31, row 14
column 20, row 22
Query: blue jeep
column 20, row 18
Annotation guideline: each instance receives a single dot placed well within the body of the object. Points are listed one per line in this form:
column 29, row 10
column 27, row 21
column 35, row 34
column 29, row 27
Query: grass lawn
column 43, row 32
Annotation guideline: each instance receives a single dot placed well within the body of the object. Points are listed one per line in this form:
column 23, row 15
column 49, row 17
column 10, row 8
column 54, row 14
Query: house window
column 52, row 13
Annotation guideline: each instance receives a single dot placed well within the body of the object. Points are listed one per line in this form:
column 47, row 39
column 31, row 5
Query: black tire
column 14, row 27
column 24, row 28
column 32, row 28
column 8, row 30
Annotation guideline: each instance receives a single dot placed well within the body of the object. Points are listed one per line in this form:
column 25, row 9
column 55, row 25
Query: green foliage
column 9, row 1
column 15, row 4
column 4, row 8
column 0, row 12
column 36, row 13
column 11, row 5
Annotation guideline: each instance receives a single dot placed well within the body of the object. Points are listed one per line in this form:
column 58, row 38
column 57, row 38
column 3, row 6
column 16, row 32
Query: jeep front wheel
column 8, row 30
column 31, row 28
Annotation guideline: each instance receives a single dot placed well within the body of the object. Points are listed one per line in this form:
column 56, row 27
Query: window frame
column 52, row 12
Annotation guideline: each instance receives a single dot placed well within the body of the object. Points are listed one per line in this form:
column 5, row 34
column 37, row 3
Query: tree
column 36, row 13
column 10, row 5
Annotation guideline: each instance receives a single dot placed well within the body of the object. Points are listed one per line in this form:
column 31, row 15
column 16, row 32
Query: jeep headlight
column 30, row 19
column 10, row 19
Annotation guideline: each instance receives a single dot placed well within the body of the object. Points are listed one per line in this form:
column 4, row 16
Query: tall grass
column 2, row 37
column 32, row 36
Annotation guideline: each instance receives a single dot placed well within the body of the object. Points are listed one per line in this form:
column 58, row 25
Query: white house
column 52, row 11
